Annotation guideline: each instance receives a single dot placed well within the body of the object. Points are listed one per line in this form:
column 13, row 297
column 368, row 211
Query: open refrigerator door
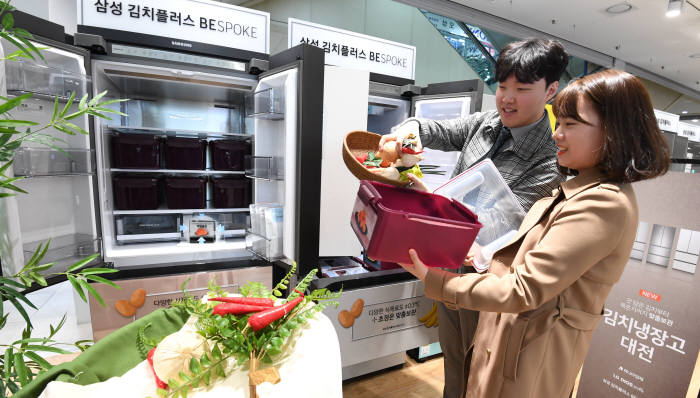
column 60, row 179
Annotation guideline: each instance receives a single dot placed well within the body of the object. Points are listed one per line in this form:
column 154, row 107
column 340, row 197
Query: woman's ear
column 551, row 91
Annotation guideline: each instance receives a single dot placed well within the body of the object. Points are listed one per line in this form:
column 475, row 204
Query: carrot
column 263, row 318
column 260, row 301
column 159, row 382
column 236, row 309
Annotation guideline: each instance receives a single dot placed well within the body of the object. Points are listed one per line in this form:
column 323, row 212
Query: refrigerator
column 388, row 303
column 170, row 188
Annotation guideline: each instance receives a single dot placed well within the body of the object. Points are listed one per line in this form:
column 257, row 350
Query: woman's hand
column 418, row 269
column 417, row 183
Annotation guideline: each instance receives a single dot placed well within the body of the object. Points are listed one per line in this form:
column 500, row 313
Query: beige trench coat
column 545, row 290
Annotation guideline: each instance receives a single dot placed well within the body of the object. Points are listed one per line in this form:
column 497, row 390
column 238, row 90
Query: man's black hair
column 532, row 60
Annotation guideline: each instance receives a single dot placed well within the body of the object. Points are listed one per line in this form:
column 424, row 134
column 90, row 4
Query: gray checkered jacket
column 529, row 166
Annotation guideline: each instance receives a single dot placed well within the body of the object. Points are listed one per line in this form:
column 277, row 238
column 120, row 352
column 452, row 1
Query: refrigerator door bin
column 185, row 193
column 267, row 249
column 231, row 192
column 185, row 153
column 264, row 168
column 32, row 162
column 135, row 151
column 229, row 154
column 31, row 76
column 135, row 193
column 65, row 249
column 390, row 220
column 265, row 104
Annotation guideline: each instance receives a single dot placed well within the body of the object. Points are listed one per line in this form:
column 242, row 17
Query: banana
column 430, row 319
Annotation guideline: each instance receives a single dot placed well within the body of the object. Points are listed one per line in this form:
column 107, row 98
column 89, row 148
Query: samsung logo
column 181, row 44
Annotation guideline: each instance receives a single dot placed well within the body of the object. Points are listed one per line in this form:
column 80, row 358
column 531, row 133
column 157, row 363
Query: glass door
column 57, row 168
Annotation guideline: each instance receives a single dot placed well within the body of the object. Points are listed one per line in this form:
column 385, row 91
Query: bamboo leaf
column 47, row 348
column 8, row 281
column 96, row 98
column 83, row 102
column 20, row 369
column 16, row 43
column 102, row 104
column 13, row 295
column 44, row 267
column 75, row 127
column 96, row 278
column 13, row 103
column 63, row 129
column 55, row 110
column 68, row 105
column 83, row 262
column 91, row 271
column 38, row 278
column 76, row 286
column 39, row 360
column 92, row 291
column 31, row 46
column 7, row 364
column 8, row 21
column 16, row 123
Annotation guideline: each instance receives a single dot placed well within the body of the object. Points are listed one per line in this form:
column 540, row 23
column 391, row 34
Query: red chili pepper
column 261, row 301
column 159, row 382
column 264, row 318
column 236, row 309
column 361, row 158
column 410, row 151
column 370, row 166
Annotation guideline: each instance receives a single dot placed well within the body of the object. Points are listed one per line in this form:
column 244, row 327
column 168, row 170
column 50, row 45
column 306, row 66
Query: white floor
column 51, row 303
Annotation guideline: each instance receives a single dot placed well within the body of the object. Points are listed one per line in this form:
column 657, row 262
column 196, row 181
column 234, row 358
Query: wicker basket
column 359, row 143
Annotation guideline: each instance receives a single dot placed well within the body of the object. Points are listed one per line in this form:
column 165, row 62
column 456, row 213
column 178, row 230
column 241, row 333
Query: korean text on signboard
column 390, row 317
column 355, row 50
column 185, row 21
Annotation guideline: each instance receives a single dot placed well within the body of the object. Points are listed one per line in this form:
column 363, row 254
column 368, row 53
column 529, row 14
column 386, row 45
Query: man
column 517, row 137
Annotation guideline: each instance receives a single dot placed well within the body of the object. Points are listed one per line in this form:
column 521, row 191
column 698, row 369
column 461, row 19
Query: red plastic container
column 390, row 220
column 136, row 151
column 186, row 193
column 229, row 154
column 185, row 153
column 135, row 193
column 231, row 192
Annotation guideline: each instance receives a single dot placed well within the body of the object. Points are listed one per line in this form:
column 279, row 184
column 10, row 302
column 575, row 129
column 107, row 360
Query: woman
column 544, row 293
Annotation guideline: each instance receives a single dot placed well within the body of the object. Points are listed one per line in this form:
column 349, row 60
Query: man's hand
column 418, row 268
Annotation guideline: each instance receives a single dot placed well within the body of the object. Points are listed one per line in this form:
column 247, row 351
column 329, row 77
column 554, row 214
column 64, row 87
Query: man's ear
column 551, row 90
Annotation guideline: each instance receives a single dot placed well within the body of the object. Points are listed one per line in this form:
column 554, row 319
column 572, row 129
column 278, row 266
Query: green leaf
column 16, row 123
column 103, row 104
column 12, row 294
column 195, row 367
column 20, row 369
column 38, row 255
column 94, row 100
column 83, row 102
column 8, row 281
column 183, row 376
column 99, row 279
column 205, row 361
column 54, row 330
column 74, row 281
column 92, row 291
column 31, row 46
column 83, row 262
column 47, row 348
column 216, row 353
column 44, row 267
column 64, row 129
column 219, row 370
column 54, row 115
column 38, row 278
column 16, row 43
column 68, row 105
column 7, row 364
column 39, row 360
column 91, row 271
column 206, row 377
column 13, row 103
column 8, row 21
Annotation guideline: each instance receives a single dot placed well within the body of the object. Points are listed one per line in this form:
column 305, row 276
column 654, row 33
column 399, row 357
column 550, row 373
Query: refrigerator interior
column 171, row 209
column 60, row 204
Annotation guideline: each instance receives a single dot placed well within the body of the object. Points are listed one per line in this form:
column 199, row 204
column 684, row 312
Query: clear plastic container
column 483, row 190
column 265, row 104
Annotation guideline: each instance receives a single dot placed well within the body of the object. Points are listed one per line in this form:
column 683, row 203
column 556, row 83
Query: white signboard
column 200, row 21
column 691, row 131
column 355, row 50
column 667, row 121
column 390, row 317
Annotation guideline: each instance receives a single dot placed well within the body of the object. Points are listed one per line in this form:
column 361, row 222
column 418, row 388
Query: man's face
column 520, row 104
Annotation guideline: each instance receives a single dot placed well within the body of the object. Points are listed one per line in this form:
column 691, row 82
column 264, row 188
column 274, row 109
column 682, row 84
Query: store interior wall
column 436, row 60
column 38, row 8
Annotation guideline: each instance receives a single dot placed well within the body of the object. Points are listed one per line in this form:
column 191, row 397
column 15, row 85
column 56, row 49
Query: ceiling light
column 674, row 8
column 619, row 8
column 684, row 112
column 696, row 120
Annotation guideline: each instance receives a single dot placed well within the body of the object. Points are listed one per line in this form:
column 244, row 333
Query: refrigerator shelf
column 173, row 171
column 180, row 211
column 263, row 168
column 45, row 162
column 24, row 75
column 176, row 132
column 42, row 96
column 265, row 104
